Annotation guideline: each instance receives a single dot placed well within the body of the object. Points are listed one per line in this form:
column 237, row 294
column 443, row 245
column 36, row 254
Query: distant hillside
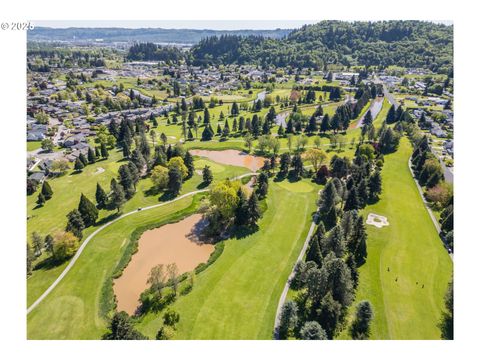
column 402, row 43
column 155, row 35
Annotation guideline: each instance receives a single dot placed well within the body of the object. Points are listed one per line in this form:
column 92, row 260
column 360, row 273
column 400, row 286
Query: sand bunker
column 172, row 243
column 377, row 220
column 232, row 157
column 99, row 171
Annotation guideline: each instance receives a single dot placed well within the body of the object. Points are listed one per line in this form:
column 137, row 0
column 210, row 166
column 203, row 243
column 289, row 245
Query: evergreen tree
column 297, row 165
column 360, row 328
column 262, row 185
column 375, row 185
column 328, row 197
column 352, row 202
column 207, row 175
column 101, row 197
column 104, row 150
column 49, row 244
column 325, row 125
column 78, row 165
column 330, row 218
column 174, row 180
column 117, row 196
column 83, row 159
column 188, row 160
column 40, row 199
column 360, row 238
column 88, row 211
column 241, row 211
column 91, row 156
column 312, row 330
column 125, row 179
column 75, row 223
column 362, row 192
column 253, row 210
column 284, row 164
column 334, row 242
column 314, row 253
column 391, row 115
column 47, row 191
column 288, row 320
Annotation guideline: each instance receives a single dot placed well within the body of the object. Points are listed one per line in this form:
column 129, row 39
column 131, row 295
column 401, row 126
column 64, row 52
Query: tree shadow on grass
column 48, row 263
column 202, row 185
column 152, row 191
column 107, row 219
column 167, row 196
column 243, row 231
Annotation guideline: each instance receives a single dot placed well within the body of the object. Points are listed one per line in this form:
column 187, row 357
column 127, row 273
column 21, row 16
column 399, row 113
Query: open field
column 413, row 252
column 237, row 296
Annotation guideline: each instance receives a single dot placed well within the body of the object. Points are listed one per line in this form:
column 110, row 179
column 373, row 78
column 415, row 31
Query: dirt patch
column 232, row 157
column 173, row 243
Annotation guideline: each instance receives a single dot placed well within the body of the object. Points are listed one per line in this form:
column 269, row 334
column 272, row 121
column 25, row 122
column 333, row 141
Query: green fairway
column 72, row 310
column 299, row 186
column 67, row 189
column 411, row 248
column 237, row 296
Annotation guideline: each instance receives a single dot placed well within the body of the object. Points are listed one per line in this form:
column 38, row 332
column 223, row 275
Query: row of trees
column 327, row 279
column 326, row 284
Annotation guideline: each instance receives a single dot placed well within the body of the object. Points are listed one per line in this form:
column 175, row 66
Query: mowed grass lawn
column 412, row 249
column 237, row 296
column 72, row 309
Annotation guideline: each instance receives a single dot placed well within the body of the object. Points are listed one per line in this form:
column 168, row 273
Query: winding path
column 92, row 235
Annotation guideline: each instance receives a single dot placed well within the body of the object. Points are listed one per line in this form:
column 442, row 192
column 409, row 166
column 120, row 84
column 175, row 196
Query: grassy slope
column 412, row 250
column 71, row 311
column 237, row 297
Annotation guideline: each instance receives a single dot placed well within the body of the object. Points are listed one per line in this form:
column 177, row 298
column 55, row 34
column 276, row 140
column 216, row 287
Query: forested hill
column 155, row 35
column 402, row 43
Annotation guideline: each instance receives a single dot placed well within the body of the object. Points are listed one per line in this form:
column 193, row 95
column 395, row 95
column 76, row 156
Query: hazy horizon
column 225, row 25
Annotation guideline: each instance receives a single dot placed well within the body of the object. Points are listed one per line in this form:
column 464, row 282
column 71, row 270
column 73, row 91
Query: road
column 386, row 93
column 375, row 107
column 92, row 235
column 283, row 297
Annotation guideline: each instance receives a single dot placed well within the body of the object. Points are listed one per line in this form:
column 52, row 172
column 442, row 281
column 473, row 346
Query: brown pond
column 232, row 157
column 171, row 243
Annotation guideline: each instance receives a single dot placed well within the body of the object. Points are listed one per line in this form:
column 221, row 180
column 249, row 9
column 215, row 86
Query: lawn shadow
column 167, row 196
column 107, row 219
column 242, row 232
column 152, row 191
column 48, row 263
column 202, row 185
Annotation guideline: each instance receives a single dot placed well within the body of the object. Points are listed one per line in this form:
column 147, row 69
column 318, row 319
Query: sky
column 187, row 24
column 180, row 24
